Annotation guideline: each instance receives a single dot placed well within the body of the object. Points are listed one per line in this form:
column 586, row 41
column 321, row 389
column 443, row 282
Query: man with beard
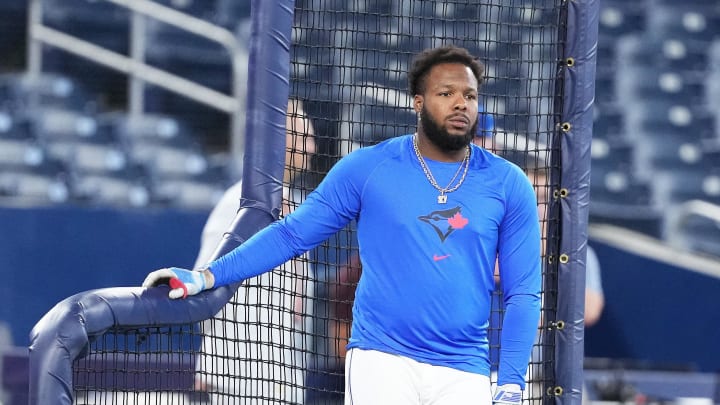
column 433, row 213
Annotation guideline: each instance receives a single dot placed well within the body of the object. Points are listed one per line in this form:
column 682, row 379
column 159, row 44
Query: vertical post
column 268, row 89
column 574, row 136
column 34, row 52
column 136, row 86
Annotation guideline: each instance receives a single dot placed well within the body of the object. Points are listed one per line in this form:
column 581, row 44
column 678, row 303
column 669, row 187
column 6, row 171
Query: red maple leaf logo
column 457, row 221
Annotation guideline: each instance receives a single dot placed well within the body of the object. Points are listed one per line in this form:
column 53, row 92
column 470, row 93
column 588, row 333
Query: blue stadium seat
column 711, row 157
column 611, row 156
column 204, row 9
column 123, row 188
column 145, row 127
column 699, row 234
column 188, row 193
column 677, row 151
column 190, row 56
column 78, row 140
column 619, row 17
column 619, row 199
column 669, row 116
column 80, row 18
column 168, row 159
column 196, row 59
column 673, row 187
column 609, row 122
column 685, row 21
column 311, row 72
column 636, row 84
column 23, row 91
column 59, row 123
column 19, row 144
column 665, row 53
column 329, row 5
column 712, row 90
column 372, row 114
column 40, row 182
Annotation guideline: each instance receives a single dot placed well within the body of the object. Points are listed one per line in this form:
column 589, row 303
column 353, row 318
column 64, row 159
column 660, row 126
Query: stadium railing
column 141, row 73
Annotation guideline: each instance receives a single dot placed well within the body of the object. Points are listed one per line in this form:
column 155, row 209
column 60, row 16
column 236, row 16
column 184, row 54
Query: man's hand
column 182, row 282
column 508, row 394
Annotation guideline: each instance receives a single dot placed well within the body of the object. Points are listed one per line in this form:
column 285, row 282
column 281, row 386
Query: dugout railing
column 142, row 334
column 140, row 74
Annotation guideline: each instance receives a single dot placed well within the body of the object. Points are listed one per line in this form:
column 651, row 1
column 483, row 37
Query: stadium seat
column 40, row 182
column 696, row 233
column 673, row 187
column 609, row 122
column 712, row 91
column 619, row 17
column 668, row 150
column 311, row 72
column 684, row 20
column 711, row 157
column 611, row 155
column 665, row 53
column 204, row 9
column 23, row 91
column 189, row 193
column 619, row 199
column 189, row 56
column 635, row 84
column 19, row 144
column 156, row 131
column 59, row 123
column 372, row 114
column 201, row 61
column 80, row 18
column 122, row 188
column 669, row 116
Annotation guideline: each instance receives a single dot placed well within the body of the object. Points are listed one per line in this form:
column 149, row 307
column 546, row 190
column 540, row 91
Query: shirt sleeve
column 218, row 222
column 593, row 278
column 326, row 210
column 520, row 274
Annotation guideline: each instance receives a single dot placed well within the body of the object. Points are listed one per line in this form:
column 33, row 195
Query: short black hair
column 427, row 59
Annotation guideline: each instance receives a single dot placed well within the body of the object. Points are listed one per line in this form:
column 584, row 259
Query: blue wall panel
column 656, row 313
column 49, row 254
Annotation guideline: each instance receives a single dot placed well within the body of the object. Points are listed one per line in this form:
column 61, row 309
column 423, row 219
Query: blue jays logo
column 445, row 222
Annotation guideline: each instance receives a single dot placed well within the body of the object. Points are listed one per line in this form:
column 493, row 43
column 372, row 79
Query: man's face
column 299, row 146
column 449, row 106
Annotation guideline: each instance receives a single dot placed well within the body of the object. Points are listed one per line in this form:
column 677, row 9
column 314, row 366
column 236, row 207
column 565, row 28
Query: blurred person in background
column 267, row 319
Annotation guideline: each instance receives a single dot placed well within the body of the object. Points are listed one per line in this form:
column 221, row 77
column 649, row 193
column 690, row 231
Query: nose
column 461, row 103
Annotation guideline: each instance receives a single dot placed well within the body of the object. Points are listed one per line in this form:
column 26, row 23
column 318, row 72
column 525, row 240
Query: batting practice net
column 342, row 64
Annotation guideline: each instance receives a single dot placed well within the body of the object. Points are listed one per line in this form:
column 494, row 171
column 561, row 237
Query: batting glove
column 182, row 282
column 508, row 394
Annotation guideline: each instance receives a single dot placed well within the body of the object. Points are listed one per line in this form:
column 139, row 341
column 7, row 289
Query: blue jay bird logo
column 445, row 222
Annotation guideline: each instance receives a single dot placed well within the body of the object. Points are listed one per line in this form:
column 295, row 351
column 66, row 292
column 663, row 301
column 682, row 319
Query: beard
column 442, row 138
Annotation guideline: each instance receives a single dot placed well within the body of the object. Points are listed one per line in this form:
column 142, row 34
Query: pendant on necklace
column 442, row 199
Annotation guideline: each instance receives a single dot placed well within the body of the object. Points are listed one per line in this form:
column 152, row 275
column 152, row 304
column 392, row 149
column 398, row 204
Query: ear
column 418, row 101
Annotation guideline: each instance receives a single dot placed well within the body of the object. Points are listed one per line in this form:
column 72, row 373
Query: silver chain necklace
column 464, row 166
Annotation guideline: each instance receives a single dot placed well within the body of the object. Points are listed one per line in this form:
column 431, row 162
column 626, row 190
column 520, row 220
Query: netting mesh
column 282, row 337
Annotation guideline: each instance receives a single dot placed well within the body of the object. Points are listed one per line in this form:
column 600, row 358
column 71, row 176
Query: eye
column 471, row 96
column 445, row 93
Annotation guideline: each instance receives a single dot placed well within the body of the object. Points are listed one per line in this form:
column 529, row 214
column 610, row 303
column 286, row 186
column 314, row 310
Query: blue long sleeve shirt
column 427, row 280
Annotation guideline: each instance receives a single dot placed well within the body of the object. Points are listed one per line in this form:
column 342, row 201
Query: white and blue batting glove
column 182, row 282
column 507, row 394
